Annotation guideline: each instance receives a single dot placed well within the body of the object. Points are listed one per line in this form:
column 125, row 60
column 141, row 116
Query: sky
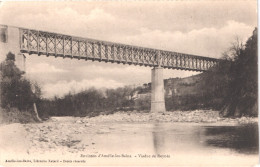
column 205, row 28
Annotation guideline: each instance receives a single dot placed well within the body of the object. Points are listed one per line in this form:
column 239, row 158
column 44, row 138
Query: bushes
column 192, row 102
column 93, row 102
column 143, row 103
column 90, row 102
column 13, row 115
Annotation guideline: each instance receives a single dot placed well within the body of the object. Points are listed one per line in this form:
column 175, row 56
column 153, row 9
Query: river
column 184, row 143
column 66, row 139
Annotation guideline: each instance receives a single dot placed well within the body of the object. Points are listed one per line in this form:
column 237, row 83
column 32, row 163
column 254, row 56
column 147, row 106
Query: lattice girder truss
column 59, row 45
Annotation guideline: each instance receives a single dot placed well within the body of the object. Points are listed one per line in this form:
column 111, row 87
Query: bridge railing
column 59, row 45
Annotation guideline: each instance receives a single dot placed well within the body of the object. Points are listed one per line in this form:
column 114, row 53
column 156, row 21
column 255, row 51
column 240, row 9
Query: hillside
column 184, row 93
column 183, row 86
column 178, row 86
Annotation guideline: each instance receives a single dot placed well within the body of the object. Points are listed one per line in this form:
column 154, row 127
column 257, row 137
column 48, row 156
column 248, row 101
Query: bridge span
column 27, row 41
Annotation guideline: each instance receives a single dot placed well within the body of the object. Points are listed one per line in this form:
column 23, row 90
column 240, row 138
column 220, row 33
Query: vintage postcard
column 129, row 83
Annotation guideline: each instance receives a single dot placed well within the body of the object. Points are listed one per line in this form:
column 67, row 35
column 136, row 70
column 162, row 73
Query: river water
column 130, row 143
column 183, row 143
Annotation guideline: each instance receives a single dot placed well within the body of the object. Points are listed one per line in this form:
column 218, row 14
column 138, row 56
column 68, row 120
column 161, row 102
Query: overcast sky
column 204, row 28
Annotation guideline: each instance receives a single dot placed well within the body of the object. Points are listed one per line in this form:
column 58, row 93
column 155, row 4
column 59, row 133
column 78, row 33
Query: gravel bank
column 196, row 116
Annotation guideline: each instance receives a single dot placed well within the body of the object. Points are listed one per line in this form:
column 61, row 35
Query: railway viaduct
column 22, row 41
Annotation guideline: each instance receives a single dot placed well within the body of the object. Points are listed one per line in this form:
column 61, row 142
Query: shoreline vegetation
column 229, row 90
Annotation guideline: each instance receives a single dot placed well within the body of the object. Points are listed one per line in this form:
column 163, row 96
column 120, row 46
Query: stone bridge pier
column 157, row 95
column 10, row 42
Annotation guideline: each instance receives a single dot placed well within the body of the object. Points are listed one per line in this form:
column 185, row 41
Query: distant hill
column 184, row 93
column 183, row 86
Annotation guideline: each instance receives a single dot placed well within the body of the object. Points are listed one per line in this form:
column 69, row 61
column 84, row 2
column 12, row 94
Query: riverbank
column 195, row 116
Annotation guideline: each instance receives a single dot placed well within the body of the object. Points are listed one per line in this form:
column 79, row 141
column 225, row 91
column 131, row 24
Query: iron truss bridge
column 59, row 45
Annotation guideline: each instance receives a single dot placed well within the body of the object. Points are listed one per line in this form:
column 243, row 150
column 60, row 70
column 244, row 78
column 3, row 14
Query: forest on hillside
column 235, row 79
column 230, row 87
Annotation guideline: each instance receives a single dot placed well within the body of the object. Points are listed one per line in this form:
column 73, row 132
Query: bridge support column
column 10, row 42
column 157, row 97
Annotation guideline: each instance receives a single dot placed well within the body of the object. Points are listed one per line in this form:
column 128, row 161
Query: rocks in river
column 42, row 139
column 245, row 120
column 79, row 121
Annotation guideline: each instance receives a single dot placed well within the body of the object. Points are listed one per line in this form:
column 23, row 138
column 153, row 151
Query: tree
column 243, row 87
column 235, row 79
column 15, row 90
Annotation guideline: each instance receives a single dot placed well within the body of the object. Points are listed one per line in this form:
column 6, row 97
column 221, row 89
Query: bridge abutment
column 157, row 96
column 10, row 42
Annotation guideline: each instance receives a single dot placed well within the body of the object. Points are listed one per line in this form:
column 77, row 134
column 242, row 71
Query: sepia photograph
column 129, row 83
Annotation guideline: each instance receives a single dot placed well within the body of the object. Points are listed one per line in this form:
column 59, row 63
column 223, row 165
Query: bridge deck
column 60, row 45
